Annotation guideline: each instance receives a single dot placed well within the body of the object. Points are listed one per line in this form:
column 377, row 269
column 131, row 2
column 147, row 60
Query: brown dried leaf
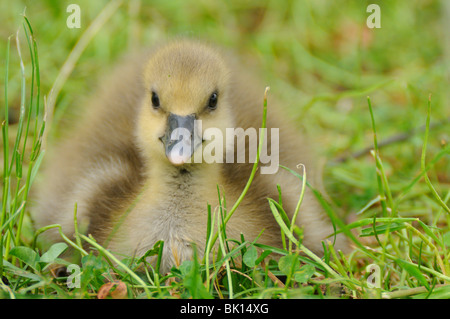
column 173, row 292
column 115, row 289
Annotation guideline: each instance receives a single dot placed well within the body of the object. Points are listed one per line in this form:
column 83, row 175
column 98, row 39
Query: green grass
column 348, row 86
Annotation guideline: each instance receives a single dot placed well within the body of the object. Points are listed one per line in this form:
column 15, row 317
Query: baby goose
column 134, row 187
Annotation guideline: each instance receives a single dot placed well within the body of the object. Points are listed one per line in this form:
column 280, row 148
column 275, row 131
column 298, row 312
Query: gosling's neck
column 184, row 178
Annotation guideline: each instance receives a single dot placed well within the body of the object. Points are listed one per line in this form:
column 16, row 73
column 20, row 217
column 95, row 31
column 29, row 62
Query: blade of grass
column 427, row 269
column 254, row 168
column 300, row 200
column 75, row 224
column 227, row 263
column 35, row 61
column 6, row 172
column 105, row 252
column 35, row 153
column 410, row 292
column 297, row 243
column 63, row 236
column 22, row 103
column 413, row 270
column 211, row 223
column 282, row 214
column 15, row 151
column 422, row 162
column 384, row 192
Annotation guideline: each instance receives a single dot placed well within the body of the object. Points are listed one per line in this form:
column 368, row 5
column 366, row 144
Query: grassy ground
column 323, row 62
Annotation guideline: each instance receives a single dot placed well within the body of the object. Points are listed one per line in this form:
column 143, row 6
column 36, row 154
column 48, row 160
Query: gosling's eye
column 212, row 103
column 155, row 100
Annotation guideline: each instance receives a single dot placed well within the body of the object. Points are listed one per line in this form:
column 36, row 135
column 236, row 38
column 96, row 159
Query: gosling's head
column 185, row 82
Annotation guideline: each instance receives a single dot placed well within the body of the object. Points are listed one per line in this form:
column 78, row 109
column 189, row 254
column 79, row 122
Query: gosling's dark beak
column 181, row 139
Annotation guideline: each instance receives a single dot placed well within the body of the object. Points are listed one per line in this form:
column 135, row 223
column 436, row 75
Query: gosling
column 132, row 173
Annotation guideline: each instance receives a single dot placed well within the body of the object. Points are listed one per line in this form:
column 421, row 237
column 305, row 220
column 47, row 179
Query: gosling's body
column 116, row 170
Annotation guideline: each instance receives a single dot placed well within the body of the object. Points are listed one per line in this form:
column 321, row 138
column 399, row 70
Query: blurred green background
column 319, row 58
